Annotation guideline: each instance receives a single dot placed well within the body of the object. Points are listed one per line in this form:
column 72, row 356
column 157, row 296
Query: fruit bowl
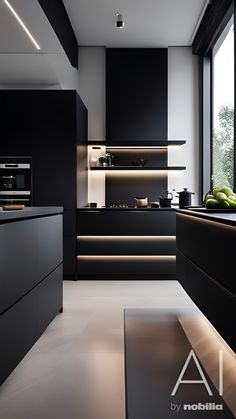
column 220, row 198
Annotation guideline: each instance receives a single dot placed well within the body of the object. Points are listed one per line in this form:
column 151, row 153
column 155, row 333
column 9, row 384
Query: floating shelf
column 148, row 145
column 139, row 144
column 110, row 168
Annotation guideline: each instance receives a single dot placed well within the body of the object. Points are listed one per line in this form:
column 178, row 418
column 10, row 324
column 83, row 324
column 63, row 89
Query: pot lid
column 185, row 191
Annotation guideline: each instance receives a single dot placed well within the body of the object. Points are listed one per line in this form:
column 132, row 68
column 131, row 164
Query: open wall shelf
column 139, row 145
column 110, row 168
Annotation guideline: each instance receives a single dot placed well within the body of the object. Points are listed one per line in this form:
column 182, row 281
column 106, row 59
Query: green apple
column 208, row 196
column 216, row 190
column 224, row 204
column 227, row 191
column 221, row 196
column 212, row 203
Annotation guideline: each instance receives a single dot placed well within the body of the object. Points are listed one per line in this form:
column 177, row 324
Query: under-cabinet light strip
column 169, row 238
column 22, row 24
column 107, row 257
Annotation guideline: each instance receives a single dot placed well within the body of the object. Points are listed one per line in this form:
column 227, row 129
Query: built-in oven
column 15, row 180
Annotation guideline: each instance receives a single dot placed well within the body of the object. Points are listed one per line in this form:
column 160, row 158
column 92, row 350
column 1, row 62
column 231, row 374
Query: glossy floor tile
column 76, row 369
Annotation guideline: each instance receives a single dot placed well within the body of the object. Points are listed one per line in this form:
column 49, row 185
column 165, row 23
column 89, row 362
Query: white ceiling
column 148, row 23
column 21, row 64
column 14, row 39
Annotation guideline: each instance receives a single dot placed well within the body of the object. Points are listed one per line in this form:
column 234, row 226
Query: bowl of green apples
column 220, row 198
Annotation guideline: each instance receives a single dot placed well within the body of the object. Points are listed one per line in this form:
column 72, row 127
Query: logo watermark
column 199, row 406
column 176, row 407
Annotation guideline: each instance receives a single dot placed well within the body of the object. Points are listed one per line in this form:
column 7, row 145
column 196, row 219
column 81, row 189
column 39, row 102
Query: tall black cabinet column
column 136, row 96
column 136, row 116
column 50, row 126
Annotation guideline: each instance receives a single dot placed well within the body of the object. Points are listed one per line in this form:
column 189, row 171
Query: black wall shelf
column 110, row 168
column 137, row 145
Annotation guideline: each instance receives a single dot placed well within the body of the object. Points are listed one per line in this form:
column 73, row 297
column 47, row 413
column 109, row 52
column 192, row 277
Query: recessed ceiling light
column 119, row 22
column 22, row 24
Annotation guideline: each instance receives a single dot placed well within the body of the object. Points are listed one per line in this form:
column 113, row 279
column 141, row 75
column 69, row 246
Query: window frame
column 206, row 96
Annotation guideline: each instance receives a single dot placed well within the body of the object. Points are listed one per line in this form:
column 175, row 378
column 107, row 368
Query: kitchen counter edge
column 29, row 212
column 126, row 209
column 228, row 218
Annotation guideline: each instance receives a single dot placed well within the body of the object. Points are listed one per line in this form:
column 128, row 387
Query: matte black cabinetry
column 136, row 95
column 126, row 244
column 50, row 126
column 30, row 283
column 205, row 251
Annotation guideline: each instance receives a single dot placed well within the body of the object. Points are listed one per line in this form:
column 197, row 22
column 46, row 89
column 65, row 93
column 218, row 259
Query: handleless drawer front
column 131, row 223
column 126, row 245
column 127, row 265
column 22, row 325
column 29, row 251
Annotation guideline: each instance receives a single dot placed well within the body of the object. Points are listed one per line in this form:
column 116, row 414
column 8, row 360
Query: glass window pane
column 223, row 110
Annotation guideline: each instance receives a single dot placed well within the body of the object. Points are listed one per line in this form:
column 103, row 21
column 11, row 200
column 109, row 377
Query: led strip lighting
column 22, row 24
column 122, row 238
column 127, row 257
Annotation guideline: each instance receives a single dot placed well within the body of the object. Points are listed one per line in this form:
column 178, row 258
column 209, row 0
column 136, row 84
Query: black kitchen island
column 126, row 243
column 206, row 265
column 30, row 279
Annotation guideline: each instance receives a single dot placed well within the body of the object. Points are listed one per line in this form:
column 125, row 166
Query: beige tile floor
column 76, row 369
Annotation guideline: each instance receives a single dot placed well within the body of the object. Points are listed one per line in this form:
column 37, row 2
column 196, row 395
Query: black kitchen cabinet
column 136, row 96
column 205, row 240
column 51, row 127
column 31, row 279
column 131, row 243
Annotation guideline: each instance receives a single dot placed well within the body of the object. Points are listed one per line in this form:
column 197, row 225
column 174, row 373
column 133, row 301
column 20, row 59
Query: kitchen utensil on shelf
column 165, row 199
column 155, row 205
column 141, row 202
column 107, row 160
column 185, row 198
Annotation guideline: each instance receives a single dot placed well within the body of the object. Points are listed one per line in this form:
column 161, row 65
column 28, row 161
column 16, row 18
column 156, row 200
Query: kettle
column 165, row 199
column 185, row 198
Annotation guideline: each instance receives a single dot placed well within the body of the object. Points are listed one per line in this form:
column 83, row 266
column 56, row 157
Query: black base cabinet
column 51, row 127
column 126, row 244
column 31, row 274
column 205, row 254
column 23, row 324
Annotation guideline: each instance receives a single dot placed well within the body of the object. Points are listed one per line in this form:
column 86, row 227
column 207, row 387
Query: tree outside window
column 223, row 111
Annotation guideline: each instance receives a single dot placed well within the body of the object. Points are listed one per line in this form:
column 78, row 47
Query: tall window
column 223, row 110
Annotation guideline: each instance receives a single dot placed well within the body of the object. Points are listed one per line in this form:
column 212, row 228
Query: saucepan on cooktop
column 141, row 202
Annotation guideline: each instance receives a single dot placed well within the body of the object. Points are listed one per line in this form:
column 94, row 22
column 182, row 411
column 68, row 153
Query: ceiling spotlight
column 119, row 21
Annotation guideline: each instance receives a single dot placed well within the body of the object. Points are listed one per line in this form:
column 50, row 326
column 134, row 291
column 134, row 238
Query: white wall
column 92, row 89
column 183, row 116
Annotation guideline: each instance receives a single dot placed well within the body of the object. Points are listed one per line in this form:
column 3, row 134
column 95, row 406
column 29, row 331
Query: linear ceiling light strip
column 22, row 24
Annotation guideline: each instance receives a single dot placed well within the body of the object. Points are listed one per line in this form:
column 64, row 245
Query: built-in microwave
column 15, row 180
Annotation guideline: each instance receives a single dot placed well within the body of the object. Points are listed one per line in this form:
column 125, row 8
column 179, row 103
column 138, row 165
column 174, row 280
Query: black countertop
column 29, row 212
column 222, row 216
column 126, row 209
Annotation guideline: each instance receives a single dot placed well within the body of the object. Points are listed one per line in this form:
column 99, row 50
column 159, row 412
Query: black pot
column 185, row 198
column 165, row 202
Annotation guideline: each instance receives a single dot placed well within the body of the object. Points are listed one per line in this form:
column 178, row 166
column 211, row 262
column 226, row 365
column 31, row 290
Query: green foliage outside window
column 223, row 148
